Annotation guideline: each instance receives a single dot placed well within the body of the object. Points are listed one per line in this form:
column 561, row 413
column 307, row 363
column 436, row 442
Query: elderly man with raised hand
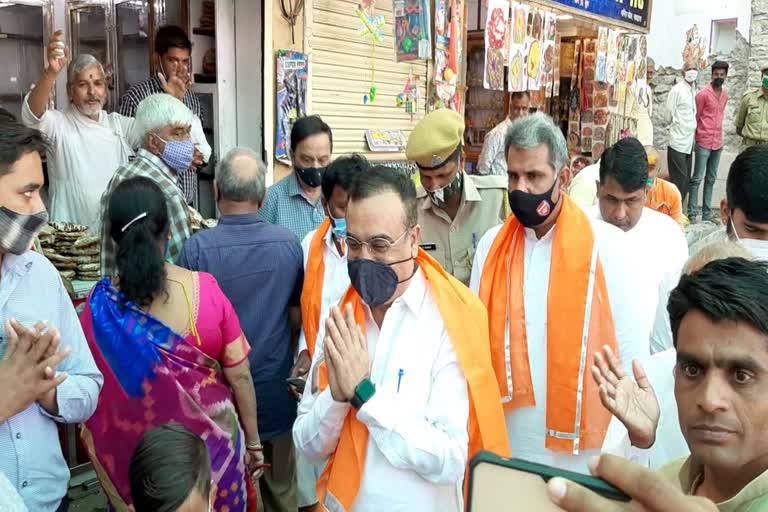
column 87, row 144
column 36, row 319
column 163, row 124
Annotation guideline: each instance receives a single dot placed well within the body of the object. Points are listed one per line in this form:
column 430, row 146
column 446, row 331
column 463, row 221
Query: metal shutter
column 340, row 75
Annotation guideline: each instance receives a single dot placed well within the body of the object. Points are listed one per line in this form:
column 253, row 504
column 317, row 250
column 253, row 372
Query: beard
column 89, row 108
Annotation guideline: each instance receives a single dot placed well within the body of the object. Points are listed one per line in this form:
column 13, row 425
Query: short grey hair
column 243, row 181
column 531, row 132
column 158, row 111
column 80, row 64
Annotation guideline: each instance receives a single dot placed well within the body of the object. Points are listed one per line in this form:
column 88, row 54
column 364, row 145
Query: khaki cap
column 435, row 138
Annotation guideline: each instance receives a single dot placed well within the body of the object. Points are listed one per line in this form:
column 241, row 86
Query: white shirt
column 661, row 244
column 583, row 187
column 335, row 278
column 417, row 449
column 10, row 501
column 85, row 155
column 670, row 444
column 492, row 158
column 526, row 427
column 680, row 115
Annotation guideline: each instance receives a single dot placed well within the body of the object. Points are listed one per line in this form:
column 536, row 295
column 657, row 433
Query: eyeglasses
column 377, row 245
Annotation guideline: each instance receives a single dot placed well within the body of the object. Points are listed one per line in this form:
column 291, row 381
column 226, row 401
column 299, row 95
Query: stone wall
column 758, row 40
column 737, row 84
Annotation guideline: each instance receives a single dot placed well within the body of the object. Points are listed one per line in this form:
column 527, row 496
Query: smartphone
column 298, row 383
column 497, row 484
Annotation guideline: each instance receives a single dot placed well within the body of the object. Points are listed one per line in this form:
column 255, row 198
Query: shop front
column 582, row 62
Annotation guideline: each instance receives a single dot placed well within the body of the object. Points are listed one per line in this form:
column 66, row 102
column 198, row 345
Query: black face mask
column 718, row 82
column 375, row 281
column 311, row 176
column 532, row 209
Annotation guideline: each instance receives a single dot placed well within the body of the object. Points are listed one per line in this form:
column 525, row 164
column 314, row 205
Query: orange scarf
column 312, row 293
column 465, row 321
column 569, row 353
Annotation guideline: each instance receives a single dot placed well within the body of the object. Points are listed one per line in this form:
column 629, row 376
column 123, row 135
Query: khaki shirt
column 752, row 118
column 683, row 474
column 453, row 243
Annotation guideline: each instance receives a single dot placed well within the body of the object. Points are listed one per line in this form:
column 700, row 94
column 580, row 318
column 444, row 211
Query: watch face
column 365, row 390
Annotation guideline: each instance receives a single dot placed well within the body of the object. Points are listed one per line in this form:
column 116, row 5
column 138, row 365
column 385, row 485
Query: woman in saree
column 171, row 349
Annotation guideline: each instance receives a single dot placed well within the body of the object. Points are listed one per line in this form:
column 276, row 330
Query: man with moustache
column 401, row 392
column 719, row 317
column 87, row 144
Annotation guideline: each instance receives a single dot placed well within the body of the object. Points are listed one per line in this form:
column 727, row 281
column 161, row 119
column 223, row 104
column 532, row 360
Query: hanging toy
column 373, row 27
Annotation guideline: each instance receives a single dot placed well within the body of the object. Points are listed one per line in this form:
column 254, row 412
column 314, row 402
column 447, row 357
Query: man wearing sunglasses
column 401, row 390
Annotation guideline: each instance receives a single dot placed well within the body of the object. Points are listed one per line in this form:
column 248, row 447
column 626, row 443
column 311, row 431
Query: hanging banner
column 518, row 70
column 291, row 98
column 495, row 42
column 411, row 25
column 633, row 12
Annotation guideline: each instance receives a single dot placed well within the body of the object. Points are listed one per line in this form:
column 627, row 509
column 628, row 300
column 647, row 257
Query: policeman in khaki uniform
column 455, row 209
column 752, row 119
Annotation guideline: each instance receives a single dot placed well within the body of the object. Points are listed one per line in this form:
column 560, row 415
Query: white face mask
column 758, row 248
column 691, row 75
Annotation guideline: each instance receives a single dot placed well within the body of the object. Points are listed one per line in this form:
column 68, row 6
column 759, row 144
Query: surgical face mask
column 532, row 209
column 375, row 281
column 311, row 176
column 339, row 227
column 178, row 154
column 18, row 231
column 691, row 75
column 718, row 82
column 440, row 196
column 758, row 248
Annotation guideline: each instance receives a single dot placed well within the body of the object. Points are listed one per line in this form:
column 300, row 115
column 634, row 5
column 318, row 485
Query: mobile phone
column 499, row 484
column 297, row 383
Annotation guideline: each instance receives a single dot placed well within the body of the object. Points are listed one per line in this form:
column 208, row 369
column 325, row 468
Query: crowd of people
column 346, row 340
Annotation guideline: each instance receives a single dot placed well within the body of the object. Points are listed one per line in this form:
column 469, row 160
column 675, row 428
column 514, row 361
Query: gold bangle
column 254, row 447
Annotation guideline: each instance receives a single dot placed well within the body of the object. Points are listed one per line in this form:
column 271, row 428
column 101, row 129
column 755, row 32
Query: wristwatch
column 363, row 392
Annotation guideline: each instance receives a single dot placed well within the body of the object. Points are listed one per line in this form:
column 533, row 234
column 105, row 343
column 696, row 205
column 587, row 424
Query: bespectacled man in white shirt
column 387, row 406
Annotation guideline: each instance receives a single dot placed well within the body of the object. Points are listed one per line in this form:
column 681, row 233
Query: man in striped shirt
column 173, row 59
column 164, row 125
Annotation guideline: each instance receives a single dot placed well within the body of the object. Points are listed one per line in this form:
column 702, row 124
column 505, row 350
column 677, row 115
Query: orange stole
column 312, row 293
column 569, row 355
column 466, row 323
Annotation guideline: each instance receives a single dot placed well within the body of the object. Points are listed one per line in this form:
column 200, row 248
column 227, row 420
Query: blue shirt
column 287, row 205
column 30, row 454
column 260, row 269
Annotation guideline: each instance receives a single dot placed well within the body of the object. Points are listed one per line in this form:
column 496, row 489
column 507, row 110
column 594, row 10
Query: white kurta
column 85, row 155
column 661, row 244
column 335, row 278
column 670, row 444
column 417, row 449
column 526, row 427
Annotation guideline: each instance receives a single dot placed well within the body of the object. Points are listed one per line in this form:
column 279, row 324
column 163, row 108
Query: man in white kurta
column 531, row 170
column 653, row 236
column 392, row 375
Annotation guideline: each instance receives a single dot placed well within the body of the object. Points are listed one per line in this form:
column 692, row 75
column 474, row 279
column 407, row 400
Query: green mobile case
column 594, row 484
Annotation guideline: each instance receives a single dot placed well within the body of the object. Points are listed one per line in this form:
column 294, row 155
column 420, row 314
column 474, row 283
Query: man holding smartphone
column 719, row 318
column 173, row 62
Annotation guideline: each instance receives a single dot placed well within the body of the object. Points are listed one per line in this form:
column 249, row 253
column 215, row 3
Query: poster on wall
column 556, row 76
column 411, row 26
column 495, row 42
column 589, row 61
column 518, row 69
column 614, row 36
column 533, row 45
column 448, row 51
column 574, row 101
column 602, row 55
column 291, row 98
column 548, row 53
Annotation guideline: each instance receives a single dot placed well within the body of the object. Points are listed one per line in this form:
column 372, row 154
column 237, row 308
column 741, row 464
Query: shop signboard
column 636, row 13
